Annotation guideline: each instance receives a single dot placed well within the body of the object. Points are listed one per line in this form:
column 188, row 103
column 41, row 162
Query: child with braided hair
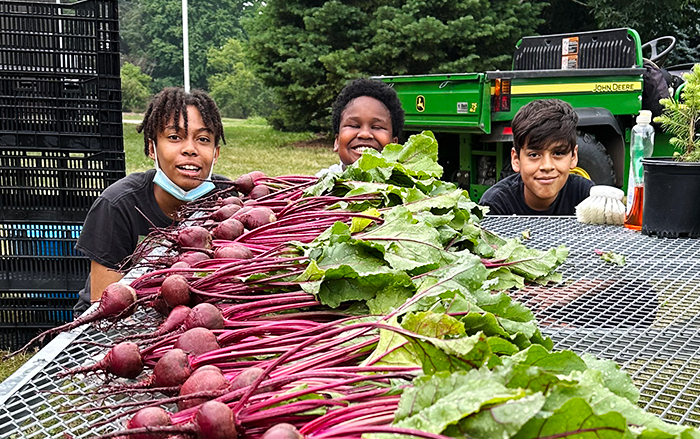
column 181, row 133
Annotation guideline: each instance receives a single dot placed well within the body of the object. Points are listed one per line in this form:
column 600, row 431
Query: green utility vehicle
column 600, row 73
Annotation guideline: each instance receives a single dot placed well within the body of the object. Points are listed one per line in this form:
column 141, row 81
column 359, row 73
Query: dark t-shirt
column 114, row 226
column 507, row 197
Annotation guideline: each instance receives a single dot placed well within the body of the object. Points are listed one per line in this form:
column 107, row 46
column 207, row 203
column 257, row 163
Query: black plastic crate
column 41, row 257
column 28, row 308
column 76, row 38
column 54, row 185
column 61, row 112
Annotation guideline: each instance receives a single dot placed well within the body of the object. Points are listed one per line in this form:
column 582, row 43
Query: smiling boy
column 544, row 151
column 181, row 133
column 367, row 114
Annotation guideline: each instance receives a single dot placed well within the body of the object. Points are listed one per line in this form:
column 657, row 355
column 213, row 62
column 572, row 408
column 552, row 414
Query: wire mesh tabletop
column 644, row 315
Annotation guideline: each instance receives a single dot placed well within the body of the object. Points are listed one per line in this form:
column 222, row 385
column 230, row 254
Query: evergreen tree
column 307, row 49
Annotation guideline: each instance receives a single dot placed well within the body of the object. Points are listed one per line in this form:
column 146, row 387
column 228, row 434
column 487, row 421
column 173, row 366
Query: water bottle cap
column 644, row 116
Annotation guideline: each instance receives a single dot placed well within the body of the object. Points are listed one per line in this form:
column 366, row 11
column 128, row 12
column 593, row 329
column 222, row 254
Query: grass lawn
column 251, row 145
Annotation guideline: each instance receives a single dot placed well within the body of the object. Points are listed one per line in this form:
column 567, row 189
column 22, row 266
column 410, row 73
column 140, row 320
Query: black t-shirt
column 507, row 197
column 114, row 226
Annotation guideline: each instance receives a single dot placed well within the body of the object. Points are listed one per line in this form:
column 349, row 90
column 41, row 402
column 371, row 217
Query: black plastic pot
column 671, row 198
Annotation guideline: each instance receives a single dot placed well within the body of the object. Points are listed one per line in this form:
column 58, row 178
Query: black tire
column 595, row 160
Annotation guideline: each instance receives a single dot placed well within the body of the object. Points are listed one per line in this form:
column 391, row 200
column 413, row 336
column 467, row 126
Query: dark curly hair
column 374, row 89
column 169, row 104
column 543, row 121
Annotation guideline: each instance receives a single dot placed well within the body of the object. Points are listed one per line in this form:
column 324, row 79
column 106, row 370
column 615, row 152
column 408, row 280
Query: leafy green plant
column 680, row 118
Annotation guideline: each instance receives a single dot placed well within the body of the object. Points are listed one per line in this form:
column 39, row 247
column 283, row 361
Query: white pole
column 186, row 45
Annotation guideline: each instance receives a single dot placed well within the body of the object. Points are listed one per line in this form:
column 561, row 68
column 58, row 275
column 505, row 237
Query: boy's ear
column 151, row 149
column 336, row 145
column 217, row 151
column 514, row 160
column 395, row 140
column 574, row 158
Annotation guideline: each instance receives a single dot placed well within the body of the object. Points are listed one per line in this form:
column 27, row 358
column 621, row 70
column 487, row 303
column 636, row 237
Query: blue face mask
column 176, row 191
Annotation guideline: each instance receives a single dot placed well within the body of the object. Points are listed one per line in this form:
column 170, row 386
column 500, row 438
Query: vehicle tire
column 594, row 159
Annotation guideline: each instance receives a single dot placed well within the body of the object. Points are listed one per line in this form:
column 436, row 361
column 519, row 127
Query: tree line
column 286, row 60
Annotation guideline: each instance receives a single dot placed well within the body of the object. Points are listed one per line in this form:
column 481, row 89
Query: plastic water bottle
column 641, row 146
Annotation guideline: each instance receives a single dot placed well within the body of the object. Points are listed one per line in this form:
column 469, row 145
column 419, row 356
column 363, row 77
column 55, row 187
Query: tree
column 306, row 50
column 152, row 35
column 234, row 87
column 135, row 88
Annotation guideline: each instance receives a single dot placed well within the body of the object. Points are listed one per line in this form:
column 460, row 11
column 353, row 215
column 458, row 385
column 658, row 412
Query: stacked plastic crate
column 61, row 145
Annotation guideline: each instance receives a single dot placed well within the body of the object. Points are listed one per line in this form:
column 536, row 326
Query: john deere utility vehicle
column 600, row 73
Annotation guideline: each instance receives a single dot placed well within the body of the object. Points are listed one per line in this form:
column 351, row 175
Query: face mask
column 176, row 191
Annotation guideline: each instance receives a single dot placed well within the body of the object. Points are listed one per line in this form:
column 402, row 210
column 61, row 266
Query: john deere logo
column 420, row 103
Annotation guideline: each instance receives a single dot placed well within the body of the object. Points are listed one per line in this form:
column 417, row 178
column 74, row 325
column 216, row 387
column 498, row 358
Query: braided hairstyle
column 171, row 103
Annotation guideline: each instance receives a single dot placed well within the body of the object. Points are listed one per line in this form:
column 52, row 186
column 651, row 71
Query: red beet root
column 204, row 315
column 282, row 431
column 244, row 184
column 225, row 212
column 123, row 360
column 246, row 377
column 215, row 420
column 192, row 257
column 172, row 369
column 230, row 200
column 175, row 290
column 194, row 237
column 233, row 251
column 259, row 191
column 257, row 175
column 229, row 229
column 201, row 380
column 256, row 217
column 149, row 417
column 197, row 341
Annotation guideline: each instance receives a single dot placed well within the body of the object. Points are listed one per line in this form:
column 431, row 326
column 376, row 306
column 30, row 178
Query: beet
column 259, row 191
column 194, row 237
column 175, row 290
column 245, row 209
column 244, row 184
column 201, row 380
column 204, row 315
column 282, row 431
column 172, row 369
column 176, row 319
column 257, row 175
column 230, row 200
column 123, row 360
column 233, row 251
column 192, row 257
column 228, row 229
column 246, row 377
column 197, row 341
column 256, row 217
column 214, row 420
column 225, row 212
column 149, row 417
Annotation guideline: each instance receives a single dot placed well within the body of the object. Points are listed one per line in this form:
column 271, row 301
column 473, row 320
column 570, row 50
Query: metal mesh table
column 644, row 315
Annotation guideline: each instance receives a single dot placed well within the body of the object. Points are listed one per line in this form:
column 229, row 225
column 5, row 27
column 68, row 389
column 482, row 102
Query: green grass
column 9, row 366
column 251, row 145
